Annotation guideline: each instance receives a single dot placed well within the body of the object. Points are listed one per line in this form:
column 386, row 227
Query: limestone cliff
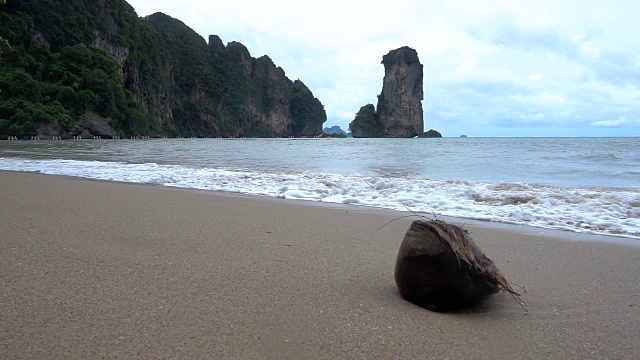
column 146, row 76
column 399, row 111
column 230, row 94
column 400, row 103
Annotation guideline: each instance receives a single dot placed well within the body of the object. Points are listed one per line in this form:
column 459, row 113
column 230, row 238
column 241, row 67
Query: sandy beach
column 93, row 269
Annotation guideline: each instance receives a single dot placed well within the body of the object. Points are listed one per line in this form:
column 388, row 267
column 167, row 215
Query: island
column 399, row 111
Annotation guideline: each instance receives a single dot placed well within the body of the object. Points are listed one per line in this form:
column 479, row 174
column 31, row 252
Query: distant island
column 335, row 131
column 399, row 111
column 94, row 68
column 430, row 134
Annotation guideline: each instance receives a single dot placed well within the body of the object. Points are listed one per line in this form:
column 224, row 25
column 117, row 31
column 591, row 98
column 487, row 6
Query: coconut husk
column 440, row 267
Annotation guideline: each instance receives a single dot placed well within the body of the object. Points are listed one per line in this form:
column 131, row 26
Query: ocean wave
column 591, row 210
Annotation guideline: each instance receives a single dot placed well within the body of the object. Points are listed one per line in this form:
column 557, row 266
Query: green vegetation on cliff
column 50, row 73
column 366, row 123
column 306, row 110
column 146, row 76
column 404, row 55
column 42, row 84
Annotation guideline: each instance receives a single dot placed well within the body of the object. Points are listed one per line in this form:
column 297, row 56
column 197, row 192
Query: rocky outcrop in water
column 367, row 123
column 430, row 134
column 400, row 103
column 334, row 130
column 399, row 111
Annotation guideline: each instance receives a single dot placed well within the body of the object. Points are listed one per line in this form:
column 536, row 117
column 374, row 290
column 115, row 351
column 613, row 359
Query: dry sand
column 95, row 269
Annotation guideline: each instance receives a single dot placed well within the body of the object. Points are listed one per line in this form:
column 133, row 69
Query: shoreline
column 95, row 269
column 566, row 235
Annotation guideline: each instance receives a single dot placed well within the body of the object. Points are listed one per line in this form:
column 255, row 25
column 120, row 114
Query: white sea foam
column 591, row 210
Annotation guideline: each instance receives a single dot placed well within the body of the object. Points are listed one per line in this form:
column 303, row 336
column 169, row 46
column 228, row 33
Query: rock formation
column 399, row 111
column 92, row 125
column 430, row 134
column 400, row 103
column 367, row 123
column 334, row 130
column 148, row 76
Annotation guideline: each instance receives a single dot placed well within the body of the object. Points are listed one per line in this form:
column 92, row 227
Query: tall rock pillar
column 400, row 103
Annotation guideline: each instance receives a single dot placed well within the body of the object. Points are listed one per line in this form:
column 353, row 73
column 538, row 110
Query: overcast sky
column 491, row 68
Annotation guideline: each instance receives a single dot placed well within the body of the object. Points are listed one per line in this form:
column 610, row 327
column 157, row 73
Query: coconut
column 440, row 268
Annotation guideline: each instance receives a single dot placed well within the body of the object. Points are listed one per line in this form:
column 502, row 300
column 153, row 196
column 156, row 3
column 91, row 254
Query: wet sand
column 93, row 269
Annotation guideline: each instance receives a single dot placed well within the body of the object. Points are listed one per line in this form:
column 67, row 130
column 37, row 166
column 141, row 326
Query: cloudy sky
column 492, row 68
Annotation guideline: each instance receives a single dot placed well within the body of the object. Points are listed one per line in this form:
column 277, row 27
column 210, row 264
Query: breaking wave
column 607, row 211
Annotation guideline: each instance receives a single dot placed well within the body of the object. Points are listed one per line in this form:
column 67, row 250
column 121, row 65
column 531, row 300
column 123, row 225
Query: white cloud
column 551, row 98
column 589, row 49
column 486, row 62
column 537, row 116
column 612, row 123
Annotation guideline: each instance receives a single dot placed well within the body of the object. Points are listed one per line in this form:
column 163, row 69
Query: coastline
column 559, row 234
column 104, row 269
column 568, row 199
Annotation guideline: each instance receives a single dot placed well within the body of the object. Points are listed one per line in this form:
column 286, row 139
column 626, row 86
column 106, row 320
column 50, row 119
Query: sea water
column 587, row 185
